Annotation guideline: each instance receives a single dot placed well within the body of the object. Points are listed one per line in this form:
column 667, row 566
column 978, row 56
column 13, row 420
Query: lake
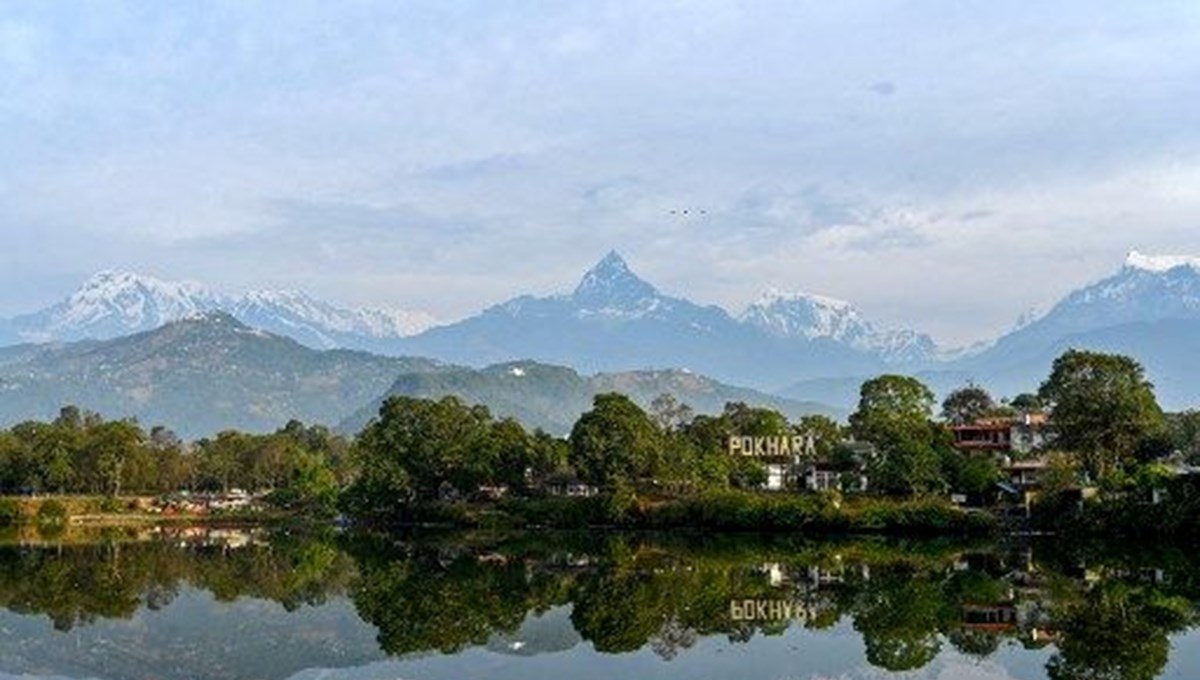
column 206, row 603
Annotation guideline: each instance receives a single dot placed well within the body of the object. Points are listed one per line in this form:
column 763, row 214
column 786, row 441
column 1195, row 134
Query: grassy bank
column 118, row 511
column 725, row 511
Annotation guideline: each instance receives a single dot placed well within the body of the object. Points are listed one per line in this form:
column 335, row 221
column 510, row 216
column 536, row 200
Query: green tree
column 1101, row 407
column 1026, row 402
column 512, row 454
column 111, row 444
column 1184, row 430
column 894, row 414
column 614, row 444
column 669, row 413
column 417, row 445
column 825, row 431
column 967, row 404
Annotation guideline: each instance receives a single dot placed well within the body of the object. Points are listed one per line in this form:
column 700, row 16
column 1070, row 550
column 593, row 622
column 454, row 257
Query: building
column 822, row 477
column 568, row 484
column 1004, row 435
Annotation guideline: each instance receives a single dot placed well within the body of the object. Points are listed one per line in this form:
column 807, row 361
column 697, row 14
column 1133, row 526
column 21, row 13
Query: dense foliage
column 1103, row 408
column 80, row 453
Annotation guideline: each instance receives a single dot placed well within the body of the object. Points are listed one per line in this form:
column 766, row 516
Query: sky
column 945, row 166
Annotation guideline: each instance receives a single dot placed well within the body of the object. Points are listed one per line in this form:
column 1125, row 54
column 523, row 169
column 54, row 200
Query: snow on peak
column 774, row 295
column 294, row 308
column 808, row 315
column 117, row 302
column 812, row 316
column 1160, row 263
column 610, row 289
column 125, row 299
column 612, row 278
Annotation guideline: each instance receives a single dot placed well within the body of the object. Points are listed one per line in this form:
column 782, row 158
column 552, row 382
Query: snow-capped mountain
column 115, row 303
column 1147, row 288
column 610, row 289
column 613, row 320
column 319, row 324
column 789, row 315
column 1148, row 309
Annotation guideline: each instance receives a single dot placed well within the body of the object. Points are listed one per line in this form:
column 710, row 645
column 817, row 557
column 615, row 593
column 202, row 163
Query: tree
column 894, row 414
column 669, row 413
column 1101, row 407
column 1026, row 402
column 111, row 444
column 223, row 461
column 511, row 452
column 613, row 444
column 967, row 404
column 826, row 434
column 1184, row 430
column 425, row 444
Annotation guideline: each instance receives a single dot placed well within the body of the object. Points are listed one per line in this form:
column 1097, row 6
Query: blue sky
column 944, row 165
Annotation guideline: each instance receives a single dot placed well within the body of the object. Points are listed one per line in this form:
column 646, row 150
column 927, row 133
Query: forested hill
column 199, row 375
column 553, row 397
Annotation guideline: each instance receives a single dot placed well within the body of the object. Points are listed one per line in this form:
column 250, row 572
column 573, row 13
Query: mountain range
column 115, row 303
column 614, row 320
column 810, row 349
column 1148, row 309
column 211, row 372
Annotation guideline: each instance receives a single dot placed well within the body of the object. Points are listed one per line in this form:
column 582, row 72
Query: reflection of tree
column 445, row 601
column 975, row 643
column 621, row 612
column 76, row 584
column 672, row 638
column 633, row 593
column 899, row 615
column 1117, row 631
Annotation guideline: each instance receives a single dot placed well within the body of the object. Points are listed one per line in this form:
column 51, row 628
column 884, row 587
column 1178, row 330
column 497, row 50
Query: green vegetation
column 1104, row 409
column 893, row 468
column 79, row 453
column 895, row 414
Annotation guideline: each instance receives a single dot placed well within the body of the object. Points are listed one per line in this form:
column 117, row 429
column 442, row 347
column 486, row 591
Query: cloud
column 450, row 154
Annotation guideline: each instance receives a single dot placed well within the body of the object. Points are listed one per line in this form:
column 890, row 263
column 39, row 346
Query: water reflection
column 202, row 603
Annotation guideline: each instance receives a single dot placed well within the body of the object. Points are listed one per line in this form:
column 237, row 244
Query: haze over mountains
column 212, row 358
column 211, row 372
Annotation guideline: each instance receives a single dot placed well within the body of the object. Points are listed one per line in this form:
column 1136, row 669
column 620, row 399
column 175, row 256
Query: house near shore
column 1006, row 435
column 807, row 472
column 568, row 485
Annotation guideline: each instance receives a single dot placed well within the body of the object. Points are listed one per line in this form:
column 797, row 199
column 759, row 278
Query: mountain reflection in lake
column 202, row 604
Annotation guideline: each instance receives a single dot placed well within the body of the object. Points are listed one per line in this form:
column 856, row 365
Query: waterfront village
column 1093, row 430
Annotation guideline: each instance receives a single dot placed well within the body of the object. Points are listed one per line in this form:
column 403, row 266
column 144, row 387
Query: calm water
column 202, row 604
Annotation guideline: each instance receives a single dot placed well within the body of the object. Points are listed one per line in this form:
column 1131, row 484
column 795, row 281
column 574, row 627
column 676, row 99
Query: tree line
column 1104, row 417
column 81, row 453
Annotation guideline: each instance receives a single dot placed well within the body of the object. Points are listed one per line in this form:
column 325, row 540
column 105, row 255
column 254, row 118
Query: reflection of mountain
column 543, row 633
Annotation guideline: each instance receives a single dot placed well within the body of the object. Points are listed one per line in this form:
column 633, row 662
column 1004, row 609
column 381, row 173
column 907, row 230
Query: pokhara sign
column 780, row 446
